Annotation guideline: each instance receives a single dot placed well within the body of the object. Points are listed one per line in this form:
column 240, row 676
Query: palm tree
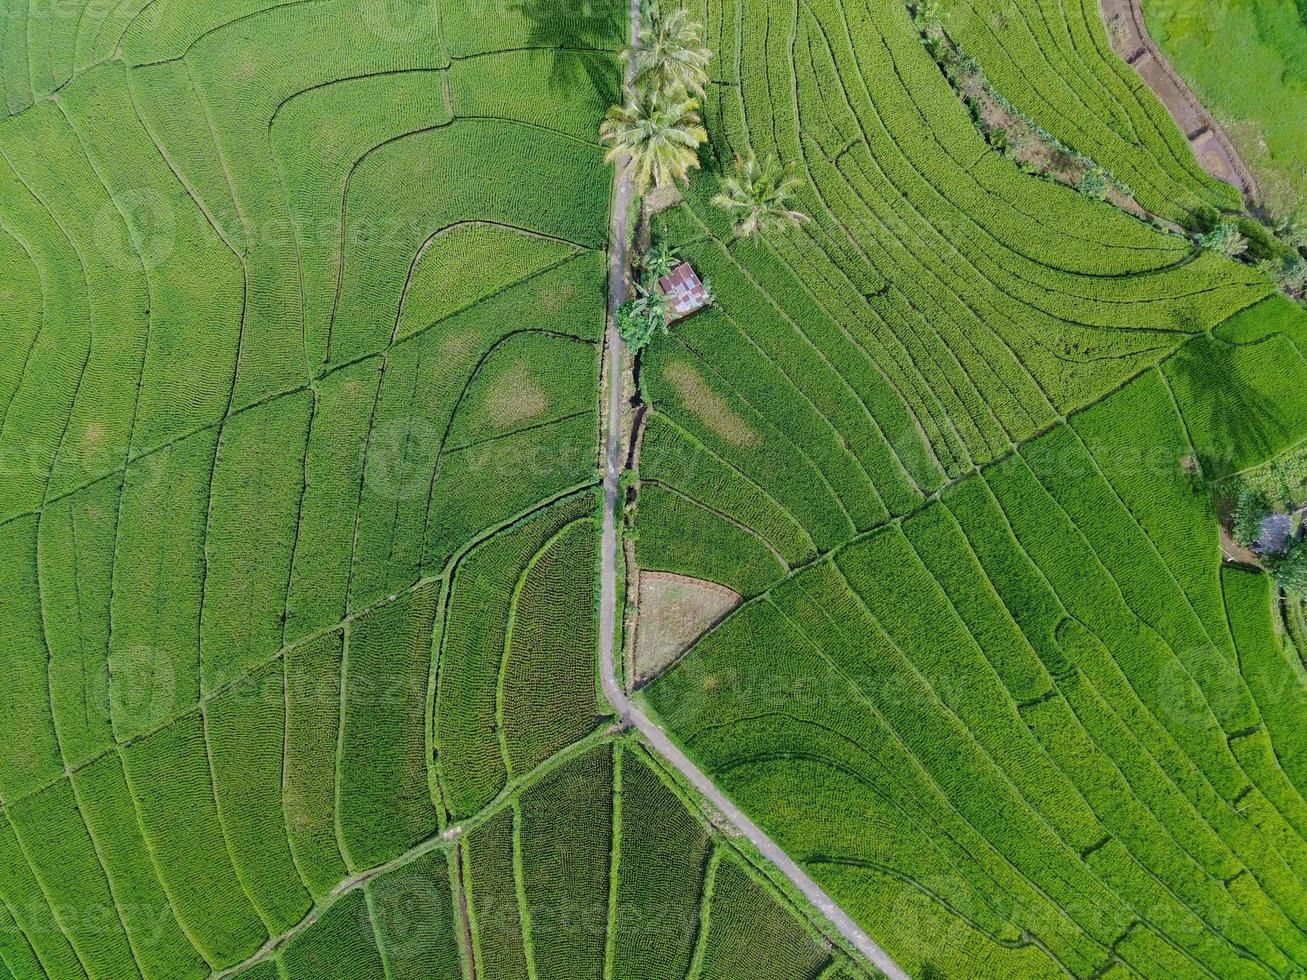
column 759, row 197
column 660, row 260
column 670, row 55
column 1225, row 238
column 661, row 134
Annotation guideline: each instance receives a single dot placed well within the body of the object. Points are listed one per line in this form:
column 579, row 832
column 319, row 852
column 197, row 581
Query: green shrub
column 1289, row 272
column 1093, row 183
column 1290, row 569
column 1226, row 239
column 640, row 319
column 1252, row 506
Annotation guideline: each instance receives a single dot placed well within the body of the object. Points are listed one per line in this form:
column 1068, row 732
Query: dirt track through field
column 1128, row 32
column 630, row 713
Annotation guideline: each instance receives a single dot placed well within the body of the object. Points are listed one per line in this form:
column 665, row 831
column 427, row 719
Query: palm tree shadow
column 582, row 35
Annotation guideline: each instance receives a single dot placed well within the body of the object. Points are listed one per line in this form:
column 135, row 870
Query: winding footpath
column 629, row 712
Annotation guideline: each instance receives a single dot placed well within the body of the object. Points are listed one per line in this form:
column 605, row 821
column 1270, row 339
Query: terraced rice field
column 1057, row 64
column 302, row 311
column 951, row 439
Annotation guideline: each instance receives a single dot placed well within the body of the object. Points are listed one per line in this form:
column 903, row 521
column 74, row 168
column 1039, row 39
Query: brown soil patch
column 516, row 398
column 457, row 346
column 661, row 199
column 93, row 436
column 1212, row 156
column 1231, row 550
column 674, row 611
column 711, row 408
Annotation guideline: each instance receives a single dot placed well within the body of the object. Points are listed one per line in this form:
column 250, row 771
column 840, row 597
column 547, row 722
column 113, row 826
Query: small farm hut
column 1275, row 534
column 684, row 290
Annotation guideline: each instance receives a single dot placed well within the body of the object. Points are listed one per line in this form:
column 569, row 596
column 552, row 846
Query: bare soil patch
column 675, row 610
column 516, row 398
column 1231, row 550
column 663, row 198
column 711, row 408
column 457, row 345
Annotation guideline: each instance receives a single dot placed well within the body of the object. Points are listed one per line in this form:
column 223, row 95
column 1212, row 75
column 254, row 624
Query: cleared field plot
column 674, row 612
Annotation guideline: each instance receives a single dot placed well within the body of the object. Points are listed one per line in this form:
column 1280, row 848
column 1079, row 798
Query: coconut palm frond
column 660, row 134
column 660, row 260
column 670, row 55
column 759, row 196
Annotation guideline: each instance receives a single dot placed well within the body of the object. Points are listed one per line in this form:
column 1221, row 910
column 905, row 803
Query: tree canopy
column 660, row 133
column 670, row 55
column 759, row 196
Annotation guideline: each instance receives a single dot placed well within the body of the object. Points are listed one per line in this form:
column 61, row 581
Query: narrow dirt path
column 612, row 687
column 1128, row 32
